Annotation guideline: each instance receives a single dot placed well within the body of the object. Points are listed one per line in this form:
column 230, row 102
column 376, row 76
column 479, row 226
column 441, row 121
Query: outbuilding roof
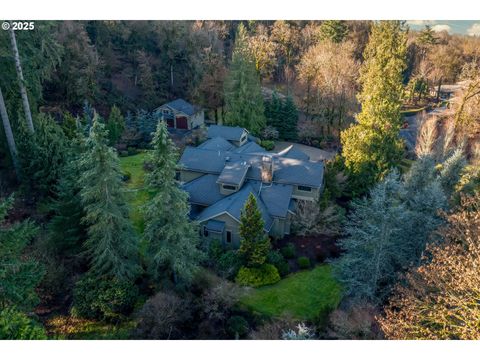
column 181, row 106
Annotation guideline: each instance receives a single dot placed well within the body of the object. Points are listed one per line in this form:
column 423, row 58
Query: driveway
column 314, row 153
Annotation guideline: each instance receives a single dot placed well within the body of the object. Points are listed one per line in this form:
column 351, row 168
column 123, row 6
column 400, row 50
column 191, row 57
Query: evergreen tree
column 243, row 95
column 372, row 146
column 115, row 125
column 111, row 245
column 67, row 232
column 371, row 249
column 333, row 30
column 288, row 129
column 273, row 112
column 427, row 37
column 392, row 227
column 452, row 170
column 42, row 155
column 172, row 238
column 15, row 325
column 19, row 275
column 70, row 125
column 254, row 243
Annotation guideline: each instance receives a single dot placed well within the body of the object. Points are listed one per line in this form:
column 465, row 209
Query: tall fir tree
column 333, row 30
column 19, row 275
column 372, row 146
column 254, row 243
column 67, row 232
column 243, row 95
column 111, row 246
column 172, row 238
column 115, row 125
column 42, row 155
column 288, row 129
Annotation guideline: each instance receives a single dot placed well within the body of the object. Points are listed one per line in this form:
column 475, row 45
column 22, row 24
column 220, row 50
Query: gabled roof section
column 298, row 172
column 182, row 106
column 233, row 205
column 234, row 173
column 294, row 153
column 216, row 143
column 276, row 197
column 285, row 170
column 249, row 148
column 202, row 160
column 203, row 190
column 231, row 133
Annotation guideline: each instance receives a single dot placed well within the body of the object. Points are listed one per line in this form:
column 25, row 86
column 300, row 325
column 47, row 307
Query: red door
column 182, row 122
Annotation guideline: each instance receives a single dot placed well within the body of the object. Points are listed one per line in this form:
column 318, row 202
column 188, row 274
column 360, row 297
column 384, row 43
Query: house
column 222, row 172
column 180, row 114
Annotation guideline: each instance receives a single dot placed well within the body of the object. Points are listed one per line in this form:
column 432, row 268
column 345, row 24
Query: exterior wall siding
column 306, row 195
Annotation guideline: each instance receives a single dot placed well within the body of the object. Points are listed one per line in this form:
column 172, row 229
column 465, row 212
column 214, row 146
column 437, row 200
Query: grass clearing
column 137, row 194
column 306, row 295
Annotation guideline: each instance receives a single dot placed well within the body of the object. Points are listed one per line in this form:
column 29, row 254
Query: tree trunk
column 9, row 135
column 21, row 81
column 438, row 88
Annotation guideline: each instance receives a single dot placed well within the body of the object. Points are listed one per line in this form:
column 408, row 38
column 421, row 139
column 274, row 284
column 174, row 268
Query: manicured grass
column 137, row 194
column 306, row 295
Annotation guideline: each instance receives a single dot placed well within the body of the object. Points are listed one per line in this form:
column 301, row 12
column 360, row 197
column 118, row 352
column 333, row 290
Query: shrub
column 289, row 251
column 103, row 299
column 237, row 326
column 276, row 259
column 303, row 262
column 229, row 264
column 132, row 151
column 15, row 325
column 264, row 275
column 270, row 133
column 162, row 317
column 126, row 176
column 269, row 145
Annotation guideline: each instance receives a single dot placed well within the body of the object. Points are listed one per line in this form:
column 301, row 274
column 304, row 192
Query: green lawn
column 306, row 295
column 137, row 195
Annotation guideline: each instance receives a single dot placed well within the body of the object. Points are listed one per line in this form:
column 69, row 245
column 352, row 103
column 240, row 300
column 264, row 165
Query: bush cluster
column 264, row 275
column 288, row 251
column 276, row 259
column 105, row 299
column 303, row 262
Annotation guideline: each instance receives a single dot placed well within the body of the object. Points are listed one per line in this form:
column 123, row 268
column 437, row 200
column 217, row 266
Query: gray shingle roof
column 231, row 133
column 295, row 153
column 286, row 170
column 233, row 173
column 250, row 147
column 276, row 197
column 216, row 143
column 182, row 106
column 233, row 205
column 298, row 172
column 203, row 190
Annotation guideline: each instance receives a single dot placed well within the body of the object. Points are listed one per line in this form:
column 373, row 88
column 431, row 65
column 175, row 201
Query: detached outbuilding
column 180, row 114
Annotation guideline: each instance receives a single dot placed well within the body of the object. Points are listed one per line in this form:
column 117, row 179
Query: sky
column 465, row 27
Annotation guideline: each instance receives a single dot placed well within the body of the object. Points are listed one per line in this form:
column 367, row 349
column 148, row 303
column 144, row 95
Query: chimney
column 267, row 169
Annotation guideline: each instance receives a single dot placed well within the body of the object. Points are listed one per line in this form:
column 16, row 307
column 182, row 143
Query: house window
column 165, row 111
column 177, row 175
column 243, row 138
column 205, row 231
column 229, row 187
column 304, row 188
column 229, row 237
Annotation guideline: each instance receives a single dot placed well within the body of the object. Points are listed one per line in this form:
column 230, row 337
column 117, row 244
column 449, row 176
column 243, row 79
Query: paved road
column 314, row 153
